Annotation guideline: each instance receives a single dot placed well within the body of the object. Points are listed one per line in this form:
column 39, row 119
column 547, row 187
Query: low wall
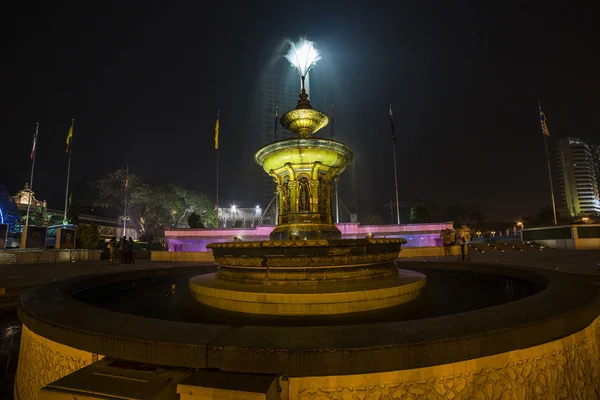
column 200, row 256
column 417, row 235
column 48, row 256
column 432, row 251
column 42, row 361
column 566, row 237
column 207, row 256
column 563, row 369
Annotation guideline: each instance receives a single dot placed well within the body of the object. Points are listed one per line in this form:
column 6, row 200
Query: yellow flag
column 217, row 134
column 70, row 137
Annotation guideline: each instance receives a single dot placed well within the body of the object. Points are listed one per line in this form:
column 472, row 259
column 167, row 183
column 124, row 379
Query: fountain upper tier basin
column 302, row 151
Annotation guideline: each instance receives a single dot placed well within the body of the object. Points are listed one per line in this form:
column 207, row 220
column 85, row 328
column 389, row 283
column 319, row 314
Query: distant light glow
column 303, row 56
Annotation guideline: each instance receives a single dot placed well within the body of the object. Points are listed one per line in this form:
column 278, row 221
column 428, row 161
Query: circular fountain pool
column 473, row 328
column 446, row 292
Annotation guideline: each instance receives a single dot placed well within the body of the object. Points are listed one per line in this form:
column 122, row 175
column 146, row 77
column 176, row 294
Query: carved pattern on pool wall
column 42, row 361
column 571, row 373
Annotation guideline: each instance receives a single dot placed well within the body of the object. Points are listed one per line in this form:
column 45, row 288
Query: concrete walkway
column 18, row 279
column 567, row 261
column 573, row 262
column 36, row 274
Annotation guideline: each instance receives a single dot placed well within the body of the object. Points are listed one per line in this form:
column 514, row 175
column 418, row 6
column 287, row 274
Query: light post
column 232, row 213
column 520, row 225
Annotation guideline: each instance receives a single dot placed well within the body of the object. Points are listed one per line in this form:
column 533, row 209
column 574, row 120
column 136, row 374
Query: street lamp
column 520, row 225
column 585, row 219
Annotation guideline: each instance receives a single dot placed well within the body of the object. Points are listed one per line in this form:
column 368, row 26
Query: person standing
column 130, row 259
column 446, row 236
column 463, row 237
column 124, row 250
column 112, row 248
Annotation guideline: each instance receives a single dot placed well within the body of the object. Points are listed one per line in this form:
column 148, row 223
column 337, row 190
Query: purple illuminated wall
column 417, row 235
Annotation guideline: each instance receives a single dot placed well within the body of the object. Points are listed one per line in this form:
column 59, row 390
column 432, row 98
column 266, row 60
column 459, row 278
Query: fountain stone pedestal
column 306, row 268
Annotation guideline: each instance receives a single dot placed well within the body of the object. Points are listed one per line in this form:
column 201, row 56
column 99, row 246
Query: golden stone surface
column 322, row 299
column 304, row 121
column 305, row 171
column 568, row 368
column 306, row 249
column 42, row 361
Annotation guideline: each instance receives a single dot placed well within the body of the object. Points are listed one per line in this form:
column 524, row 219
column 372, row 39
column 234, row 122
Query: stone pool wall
column 568, row 368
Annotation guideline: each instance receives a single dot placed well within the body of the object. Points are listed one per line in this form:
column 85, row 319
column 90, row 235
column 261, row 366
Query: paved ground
column 571, row 262
column 574, row 262
column 15, row 279
column 36, row 274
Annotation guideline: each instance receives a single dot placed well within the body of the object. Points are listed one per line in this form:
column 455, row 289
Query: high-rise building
column 596, row 156
column 275, row 90
column 576, row 180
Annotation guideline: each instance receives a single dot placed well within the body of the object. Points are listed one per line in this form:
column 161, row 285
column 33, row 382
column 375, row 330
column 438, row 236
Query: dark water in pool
column 445, row 293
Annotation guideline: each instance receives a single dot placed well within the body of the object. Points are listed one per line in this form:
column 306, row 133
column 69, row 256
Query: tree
column 151, row 206
column 419, row 213
column 180, row 203
column 457, row 214
column 545, row 216
column 87, row 236
column 39, row 216
column 375, row 220
column 476, row 217
column 194, row 221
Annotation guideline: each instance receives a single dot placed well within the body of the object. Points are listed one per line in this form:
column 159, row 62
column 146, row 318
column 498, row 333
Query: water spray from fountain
column 303, row 55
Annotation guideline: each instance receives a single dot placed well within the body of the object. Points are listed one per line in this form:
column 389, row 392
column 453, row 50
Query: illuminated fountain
column 475, row 331
column 303, row 55
column 306, row 268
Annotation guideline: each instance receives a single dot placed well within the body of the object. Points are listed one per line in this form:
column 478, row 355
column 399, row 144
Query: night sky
column 143, row 81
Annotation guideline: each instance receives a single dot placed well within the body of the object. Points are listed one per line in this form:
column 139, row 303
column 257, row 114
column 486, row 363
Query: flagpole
column 335, row 183
column 68, row 174
column 125, row 210
column 395, row 166
column 276, row 138
column 550, row 176
column 545, row 133
column 37, row 127
column 217, row 149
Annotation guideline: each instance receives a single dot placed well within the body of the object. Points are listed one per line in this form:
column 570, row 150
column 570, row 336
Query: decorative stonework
column 42, row 361
column 572, row 372
column 24, row 195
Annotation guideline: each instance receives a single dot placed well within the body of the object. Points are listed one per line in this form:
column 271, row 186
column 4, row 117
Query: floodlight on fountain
column 303, row 120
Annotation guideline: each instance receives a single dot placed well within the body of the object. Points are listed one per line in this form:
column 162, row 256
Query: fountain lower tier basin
column 320, row 299
column 279, row 255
